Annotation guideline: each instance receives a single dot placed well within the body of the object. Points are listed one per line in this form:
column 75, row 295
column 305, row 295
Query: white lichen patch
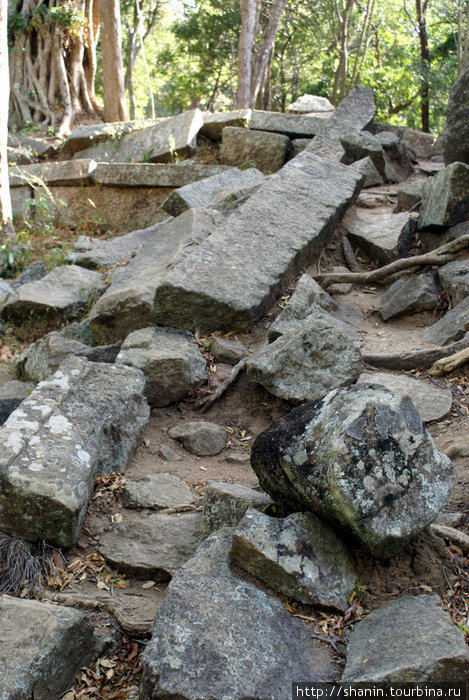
column 35, row 440
column 36, row 467
column 58, row 425
column 14, row 441
column 18, row 420
column 84, row 457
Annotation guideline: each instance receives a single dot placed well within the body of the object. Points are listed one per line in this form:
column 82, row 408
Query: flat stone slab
column 94, row 253
column 293, row 125
column 153, row 174
column 154, row 544
column 453, row 326
column 214, row 123
column 42, row 647
column 431, row 401
column 445, row 198
column 224, row 284
column 299, row 556
column 127, row 304
column 201, row 193
column 200, row 437
column 157, row 143
column 454, row 278
column 354, row 113
column 84, row 421
column 411, row 295
column 263, row 149
column 85, row 136
column 258, row 651
column 66, row 173
column 382, row 237
column 63, row 292
column 225, row 505
column 409, row 640
column 12, row 393
column 156, row 491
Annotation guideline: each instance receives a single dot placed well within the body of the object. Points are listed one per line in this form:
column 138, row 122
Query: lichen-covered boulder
column 456, row 133
column 361, row 458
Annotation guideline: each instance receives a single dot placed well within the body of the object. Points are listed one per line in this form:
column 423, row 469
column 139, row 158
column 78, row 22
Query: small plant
column 146, row 155
column 15, row 255
column 21, row 570
column 248, row 163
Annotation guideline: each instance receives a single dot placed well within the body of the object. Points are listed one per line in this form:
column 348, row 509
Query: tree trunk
column 245, row 45
column 421, row 9
column 264, row 51
column 6, row 223
column 113, row 71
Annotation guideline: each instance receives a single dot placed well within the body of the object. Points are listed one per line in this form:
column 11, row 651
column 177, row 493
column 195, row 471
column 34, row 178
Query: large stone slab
column 225, row 283
column 85, row 420
column 354, row 113
column 361, row 458
column 293, row 125
column 66, row 173
column 214, row 123
column 85, row 136
column 157, row 491
column 151, row 544
column 152, row 144
column 382, row 237
column 217, row 636
column 263, row 149
column 411, row 295
column 420, row 142
column 153, row 174
column 454, row 278
column 452, row 326
column 201, row 193
column 409, row 640
column 445, row 198
column 63, row 293
column 299, row 556
column 310, row 103
column 431, row 401
column 225, row 505
column 127, row 304
column 456, row 133
column 42, row 647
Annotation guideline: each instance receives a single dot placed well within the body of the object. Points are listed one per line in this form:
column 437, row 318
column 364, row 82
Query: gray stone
column 42, row 647
column 228, row 200
column 398, row 157
column 445, row 199
column 361, row 458
column 237, row 458
column 421, row 143
column 217, row 636
column 437, row 237
column 214, row 123
column 310, row 103
column 167, row 454
column 453, row 326
column 153, row 174
column 354, row 113
column 200, row 437
column 201, row 193
column 409, row 196
column 224, row 284
column 171, row 362
column 366, row 167
column 411, row 295
column 340, row 287
column 33, row 273
column 382, row 237
column 85, row 420
column 85, row 136
column 21, row 199
column 94, row 253
column 262, row 149
column 40, row 148
column 304, row 365
column 157, row 143
column 11, row 395
column 229, row 352
column 151, row 544
column 20, row 156
column 225, row 505
column 44, row 357
column 296, row 146
column 431, row 401
column 298, row 556
column 293, row 125
column 456, row 133
column 362, row 144
column 454, row 278
column 409, row 640
column 79, row 330
column 156, row 491
column 5, row 290
column 63, row 293
column 66, row 173
column 127, row 304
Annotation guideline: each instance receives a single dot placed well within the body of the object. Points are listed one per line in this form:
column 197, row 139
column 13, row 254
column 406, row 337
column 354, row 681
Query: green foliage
column 65, row 14
column 15, row 255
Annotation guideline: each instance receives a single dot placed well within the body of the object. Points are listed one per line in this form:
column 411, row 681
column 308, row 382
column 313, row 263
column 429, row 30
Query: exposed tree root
column 416, row 358
column 448, row 364
column 206, row 403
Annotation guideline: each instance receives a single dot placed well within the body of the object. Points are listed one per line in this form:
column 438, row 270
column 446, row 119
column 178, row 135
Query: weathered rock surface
column 265, row 150
column 245, row 645
column 296, row 146
column 453, row 326
column 431, row 401
column 228, row 200
column 130, row 175
column 366, row 167
column 228, row 351
column 409, row 640
column 21, row 199
column 156, row 491
column 41, row 149
column 398, row 161
column 361, row 458
column 157, row 143
column 201, row 193
column 170, row 361
column 64, row 292
column 12, row 393
column 200, row 437
column 293, row 125
column 298, row 556
column 421, row 143
column 214, row 123
column 383, row 237
column 409, row 196
column 5, row 290
column 310, row 103
column 44, row 357
column 85, row 136
column 154, row 544
column 33, row 273
column 42, row 648
column 454, row 278
column 362, row 144
column 411, row 295
column 306, row 364
column 354, row 113
column 456, row 133
column 224, row 284
column 225, row 505
column 85, row 420
column 445, row 198
column 67, row 173
column 127, row 304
